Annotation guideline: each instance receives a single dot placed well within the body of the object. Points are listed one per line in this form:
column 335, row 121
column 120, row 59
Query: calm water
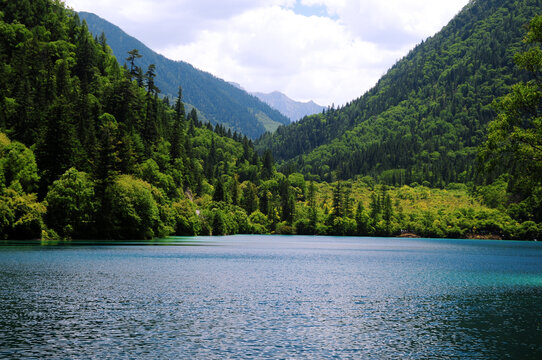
column 273, row 297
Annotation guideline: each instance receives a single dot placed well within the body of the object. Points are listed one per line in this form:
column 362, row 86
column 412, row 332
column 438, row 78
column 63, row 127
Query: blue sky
column 312, row 10
column 329, row 51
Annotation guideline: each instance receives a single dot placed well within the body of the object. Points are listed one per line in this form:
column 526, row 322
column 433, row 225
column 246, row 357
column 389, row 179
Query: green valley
column 425, row 118
column 90, row 149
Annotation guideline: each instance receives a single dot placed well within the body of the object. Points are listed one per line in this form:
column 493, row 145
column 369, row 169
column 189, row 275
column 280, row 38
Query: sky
column 329, row 51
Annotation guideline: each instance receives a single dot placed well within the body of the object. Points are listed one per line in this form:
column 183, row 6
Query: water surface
column 272, row 297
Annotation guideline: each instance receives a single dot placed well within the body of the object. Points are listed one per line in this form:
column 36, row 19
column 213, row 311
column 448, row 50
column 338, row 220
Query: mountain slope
column 425, row 118
column 294, row 110
column 219, row 101
column 85, row 152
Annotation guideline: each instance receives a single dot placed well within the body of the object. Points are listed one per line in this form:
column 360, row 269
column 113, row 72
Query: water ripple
column 273, row 297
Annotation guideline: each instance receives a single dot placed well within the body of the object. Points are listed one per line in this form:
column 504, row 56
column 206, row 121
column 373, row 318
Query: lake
column 255, row 297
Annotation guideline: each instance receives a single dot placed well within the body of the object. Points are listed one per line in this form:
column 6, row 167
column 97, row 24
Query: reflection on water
column 272, row 297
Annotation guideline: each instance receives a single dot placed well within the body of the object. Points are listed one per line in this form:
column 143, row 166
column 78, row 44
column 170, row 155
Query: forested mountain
column 294, row 110
column 425, row 118
column 219, row 101
column 89, row 150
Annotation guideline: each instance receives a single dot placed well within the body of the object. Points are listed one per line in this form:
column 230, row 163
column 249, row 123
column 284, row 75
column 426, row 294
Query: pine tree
column 58, row 148
column 267, row 170
column 362, row 220
column 265, row 202
column 178, row 129
column 219, row 194
column 211, row 160
column 235, row 190
column 516, row 134
column 149, row 79
column 107, row 163
column 375, row 207
column 132, row 56
column 387, row 209
column 287, row 201
column 338, row 201
column 313, row 213
column 249, row 201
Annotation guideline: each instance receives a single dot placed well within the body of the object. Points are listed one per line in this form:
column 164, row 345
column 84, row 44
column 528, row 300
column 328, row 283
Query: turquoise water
column 272, row 297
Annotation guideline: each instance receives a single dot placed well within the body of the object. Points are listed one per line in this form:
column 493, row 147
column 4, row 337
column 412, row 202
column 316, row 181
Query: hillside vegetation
column 423, row 121
column 218, row 101
column 89, row 150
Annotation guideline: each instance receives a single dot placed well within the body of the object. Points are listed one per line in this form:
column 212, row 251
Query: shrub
column 71, row 205
column 133, row 212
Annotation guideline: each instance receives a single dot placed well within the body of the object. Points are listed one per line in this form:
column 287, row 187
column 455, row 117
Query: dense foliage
column 514, row 143
column 424, row 119
column 108, row 157
column 218, row 101
column 89, row 150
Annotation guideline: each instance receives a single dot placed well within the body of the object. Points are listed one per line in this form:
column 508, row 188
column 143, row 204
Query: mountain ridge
column 425, row 117
column 218, row 100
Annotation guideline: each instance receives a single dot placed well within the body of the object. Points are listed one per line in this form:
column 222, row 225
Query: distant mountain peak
column 294, row 110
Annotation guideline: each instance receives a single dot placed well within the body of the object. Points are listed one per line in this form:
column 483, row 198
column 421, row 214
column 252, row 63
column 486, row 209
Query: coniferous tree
column 219, row 194
column 211, row 160
column 133, row 55
column 375, row 207
column 57, row 149
column 107, row 163
column 362, row 220
column 265, row 202
column 249, row 200
column 287, row 201
column 387, row 209
column 149, row 79
column 267, row 170
column 178, row 129
column 313, row 212
column 338, row 201
column 235, row 190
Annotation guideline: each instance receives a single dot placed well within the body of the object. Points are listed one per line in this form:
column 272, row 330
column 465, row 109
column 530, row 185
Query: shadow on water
column 170, row 241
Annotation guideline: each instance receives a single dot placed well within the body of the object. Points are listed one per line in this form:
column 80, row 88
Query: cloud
column 160, row 23
column 396, row 22
column 330, row 51
column 308, row 58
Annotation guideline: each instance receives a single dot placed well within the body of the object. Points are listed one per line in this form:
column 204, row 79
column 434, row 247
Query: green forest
column 425, row 118
column 447, row 144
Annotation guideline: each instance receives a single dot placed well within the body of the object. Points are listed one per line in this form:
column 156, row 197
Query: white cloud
column 264, row 45
column 397, row 21
column 160, row 23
